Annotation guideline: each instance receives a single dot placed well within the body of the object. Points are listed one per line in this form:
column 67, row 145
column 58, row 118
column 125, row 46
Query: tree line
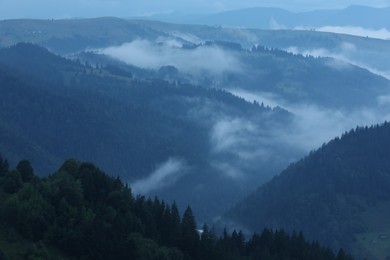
column 79, row 212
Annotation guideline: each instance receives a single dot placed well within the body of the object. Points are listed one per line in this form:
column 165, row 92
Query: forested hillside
column 337, row 194
column 324, row 82
column 170, row 138
column 284, row 78
column 191, row 115
column 79, row 212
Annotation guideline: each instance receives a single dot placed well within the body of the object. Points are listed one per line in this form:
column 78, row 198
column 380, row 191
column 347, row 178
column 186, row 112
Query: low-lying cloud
column 229, row 170
column 150, row 55
column 383, row 33
column 246, row 140
column 230, row 133
column 347, row 54
column 188, row 37
column 248, row 150
column 165, row 175
column 267, row 99
column 313, row 125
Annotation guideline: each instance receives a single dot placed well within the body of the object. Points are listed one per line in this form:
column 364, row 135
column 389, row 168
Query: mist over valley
column 213, row 111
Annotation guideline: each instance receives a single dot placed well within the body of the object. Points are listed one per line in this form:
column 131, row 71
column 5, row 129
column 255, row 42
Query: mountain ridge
column 132, row 127
column 327, row 193
column 80, row 212
column 279, row 18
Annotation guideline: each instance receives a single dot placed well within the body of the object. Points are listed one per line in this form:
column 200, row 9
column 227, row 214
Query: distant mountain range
column 171, row 139
column 153, row 123
column 71, row 36
column 276, row 18
column 152, row 103
column 295, row 82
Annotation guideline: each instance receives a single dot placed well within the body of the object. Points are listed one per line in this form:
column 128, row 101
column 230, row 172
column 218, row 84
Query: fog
column 383, row 33
column 346, row 54
column 314, row 125
column 237, row 145
column 229, row 133
column 165, row 175
column 154, row 55
column 247, row 150
column 186, row 37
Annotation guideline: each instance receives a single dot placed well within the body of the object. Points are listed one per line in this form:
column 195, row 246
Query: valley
column 282, row 129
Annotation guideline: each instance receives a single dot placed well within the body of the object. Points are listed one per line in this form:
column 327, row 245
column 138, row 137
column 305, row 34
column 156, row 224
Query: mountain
column 96, row 103
column 337, row 194
column 277, row 18
column 164, row 134
column 67, row 36
column 174, row 140
column 72, row 36
column 137, row 108
column 80, row 212
column 287, row 78
column 260, row 18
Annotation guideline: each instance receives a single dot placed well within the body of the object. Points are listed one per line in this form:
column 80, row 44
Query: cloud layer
column 165, row 175
column 313, row 125
column 346, row 54
column 146, row 54
column 383, row 33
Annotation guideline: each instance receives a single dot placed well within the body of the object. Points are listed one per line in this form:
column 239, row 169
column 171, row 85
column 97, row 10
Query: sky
column 57, row 9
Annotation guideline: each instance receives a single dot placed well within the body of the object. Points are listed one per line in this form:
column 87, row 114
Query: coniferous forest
column 172, row 126
column 335, row 193
column 79, row 212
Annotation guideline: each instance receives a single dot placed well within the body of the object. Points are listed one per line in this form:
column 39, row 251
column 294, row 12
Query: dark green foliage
column 26, row 171
column 3, row 166
column 208, row 241
column 29, row 212
column 2, row 255
column 12, row 181
column 326, row 193
column 189, row 235
column 102, row 118
column 127, row 125
column 279, row 245
column 85, row 214
column 342, row 255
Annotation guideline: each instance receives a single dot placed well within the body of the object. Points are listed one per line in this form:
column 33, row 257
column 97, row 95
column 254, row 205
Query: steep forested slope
column 79, row 212
column 67, row 36
column 285, row 78
column 324, row 82
column 68, row 112
column 73, row 35
column 335, row 194
column 297, row 79
column 53, row 109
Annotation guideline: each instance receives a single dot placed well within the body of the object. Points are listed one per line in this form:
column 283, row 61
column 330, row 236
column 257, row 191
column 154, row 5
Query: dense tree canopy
column 332, row 194
column 54, row 108
column 79, row 212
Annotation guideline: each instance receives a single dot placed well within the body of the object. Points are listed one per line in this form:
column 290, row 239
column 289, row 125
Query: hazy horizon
column 54, row 9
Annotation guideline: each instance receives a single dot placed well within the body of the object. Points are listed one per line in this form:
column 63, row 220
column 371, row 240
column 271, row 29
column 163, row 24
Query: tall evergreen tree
column 26, row 171
column 189, row 233
column 3, row 166
column 59, row 212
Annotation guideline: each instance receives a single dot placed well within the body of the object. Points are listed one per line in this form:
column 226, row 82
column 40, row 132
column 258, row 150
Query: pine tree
column 26, row 171
column 189, row 234
column 4, row 166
